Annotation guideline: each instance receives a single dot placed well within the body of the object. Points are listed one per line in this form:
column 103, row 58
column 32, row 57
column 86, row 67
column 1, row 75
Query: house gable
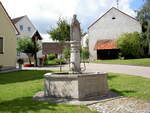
column 113, row 8
column 109, row 27
column 25, row 26
column 8, row 18
column 8, row 40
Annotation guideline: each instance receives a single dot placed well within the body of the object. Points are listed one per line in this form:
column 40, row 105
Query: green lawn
column 17, row 89
column 130, row 86
column 138, row 62
column 54, row 62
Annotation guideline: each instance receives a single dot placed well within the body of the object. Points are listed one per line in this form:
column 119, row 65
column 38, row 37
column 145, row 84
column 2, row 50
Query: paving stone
column 122, row 105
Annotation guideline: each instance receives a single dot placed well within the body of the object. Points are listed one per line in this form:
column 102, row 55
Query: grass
column 54, row 62
column 130, row 86
column 17, row 89
column 138, row 62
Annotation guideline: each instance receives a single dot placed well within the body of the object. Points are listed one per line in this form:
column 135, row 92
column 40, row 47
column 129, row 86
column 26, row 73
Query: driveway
column 115, row 68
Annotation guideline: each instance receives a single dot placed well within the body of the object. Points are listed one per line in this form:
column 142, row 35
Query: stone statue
column 75, row 34
column 75, row 31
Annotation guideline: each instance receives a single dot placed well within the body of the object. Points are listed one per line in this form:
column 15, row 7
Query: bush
column 54, row 62
column 51, row 57
column 85, row 53
column 129, row 45
column 20, row 61
column 66, row 52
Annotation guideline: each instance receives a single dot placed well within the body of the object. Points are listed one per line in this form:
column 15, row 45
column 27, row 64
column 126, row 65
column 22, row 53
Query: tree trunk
column 29, row 59
column 149, row 49
column 60, row 63
column 35, row 59
column 35, row 55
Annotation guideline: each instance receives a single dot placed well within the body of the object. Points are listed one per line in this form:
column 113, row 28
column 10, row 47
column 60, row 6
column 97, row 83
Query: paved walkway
column 115, row 68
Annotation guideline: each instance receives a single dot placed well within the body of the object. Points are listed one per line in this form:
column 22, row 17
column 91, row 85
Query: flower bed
column 28, row 65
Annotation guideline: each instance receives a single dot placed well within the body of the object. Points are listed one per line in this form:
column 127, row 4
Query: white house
column 26, row 29
column 84, row 40
column 105, row 30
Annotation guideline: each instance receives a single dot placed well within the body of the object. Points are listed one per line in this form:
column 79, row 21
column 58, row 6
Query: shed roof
column 105, row 44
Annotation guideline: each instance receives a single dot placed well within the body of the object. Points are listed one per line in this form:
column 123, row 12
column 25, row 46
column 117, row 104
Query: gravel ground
column 122, row 105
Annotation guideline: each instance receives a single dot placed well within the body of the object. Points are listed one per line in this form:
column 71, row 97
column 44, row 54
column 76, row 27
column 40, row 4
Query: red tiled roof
column 105, row 44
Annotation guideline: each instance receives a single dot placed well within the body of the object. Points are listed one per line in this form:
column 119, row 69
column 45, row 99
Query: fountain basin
column 75, row 86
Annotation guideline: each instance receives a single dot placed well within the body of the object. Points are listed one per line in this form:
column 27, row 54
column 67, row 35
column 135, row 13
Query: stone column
column 75, row 34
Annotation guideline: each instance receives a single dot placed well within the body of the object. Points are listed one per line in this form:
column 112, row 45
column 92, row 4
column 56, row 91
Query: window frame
column 21, row 27
column 29, row 29
column 2, row 52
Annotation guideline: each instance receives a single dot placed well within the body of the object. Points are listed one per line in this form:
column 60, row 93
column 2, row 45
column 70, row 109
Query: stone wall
column 80, row 86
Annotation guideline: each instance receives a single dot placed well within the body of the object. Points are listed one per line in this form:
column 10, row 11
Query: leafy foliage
column 144, row 15
column 51, row 56
column 66, row 52
column 85, row 53
column 61, row 32
column 25, row 45
column 129, row 45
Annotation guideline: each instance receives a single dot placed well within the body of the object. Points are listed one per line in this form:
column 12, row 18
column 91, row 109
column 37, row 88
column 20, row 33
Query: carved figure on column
column 75, row 35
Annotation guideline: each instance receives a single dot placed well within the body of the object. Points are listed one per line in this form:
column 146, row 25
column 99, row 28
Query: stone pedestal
column 75, row 57
column 79, row 86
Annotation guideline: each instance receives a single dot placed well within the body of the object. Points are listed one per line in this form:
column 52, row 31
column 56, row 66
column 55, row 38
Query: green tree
column 66, row 53
column 148, row 37
column 129, row 45
column 144, row 17
column 85, row 53
column 25, row 45
column 61, row 32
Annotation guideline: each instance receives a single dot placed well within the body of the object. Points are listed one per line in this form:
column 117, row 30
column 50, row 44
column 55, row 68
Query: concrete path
column 126, row 69
column 115, row 68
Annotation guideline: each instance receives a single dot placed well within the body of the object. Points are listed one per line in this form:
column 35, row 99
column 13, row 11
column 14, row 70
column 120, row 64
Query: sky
column 45, row 13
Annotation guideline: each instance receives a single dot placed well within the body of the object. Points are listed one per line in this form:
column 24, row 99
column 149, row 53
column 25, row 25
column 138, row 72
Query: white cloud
column 46, row 38
column 87, row 10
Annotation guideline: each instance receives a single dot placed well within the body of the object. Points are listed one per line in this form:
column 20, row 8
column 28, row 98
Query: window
column 1, row 45
column 29, row 28
column 113, row 18
column 21, row 27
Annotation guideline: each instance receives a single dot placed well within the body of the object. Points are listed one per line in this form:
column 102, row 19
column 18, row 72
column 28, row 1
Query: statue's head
column 74, row 16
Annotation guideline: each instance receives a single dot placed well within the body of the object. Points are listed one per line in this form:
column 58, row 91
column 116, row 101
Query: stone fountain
column 75, row 84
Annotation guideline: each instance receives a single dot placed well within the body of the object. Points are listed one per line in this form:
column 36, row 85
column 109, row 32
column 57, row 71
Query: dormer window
column 21, row 27
column 113, row 18
column 1, row 45
column 29, row 29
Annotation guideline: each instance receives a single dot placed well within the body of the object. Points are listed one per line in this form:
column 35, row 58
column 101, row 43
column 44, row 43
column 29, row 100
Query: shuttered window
column 1, row 45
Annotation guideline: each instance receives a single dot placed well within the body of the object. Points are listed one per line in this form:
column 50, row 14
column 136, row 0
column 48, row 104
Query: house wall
column 26, row 23
column 25, row 33
column 84, row 41
column 8, row 58
column 107, row 28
